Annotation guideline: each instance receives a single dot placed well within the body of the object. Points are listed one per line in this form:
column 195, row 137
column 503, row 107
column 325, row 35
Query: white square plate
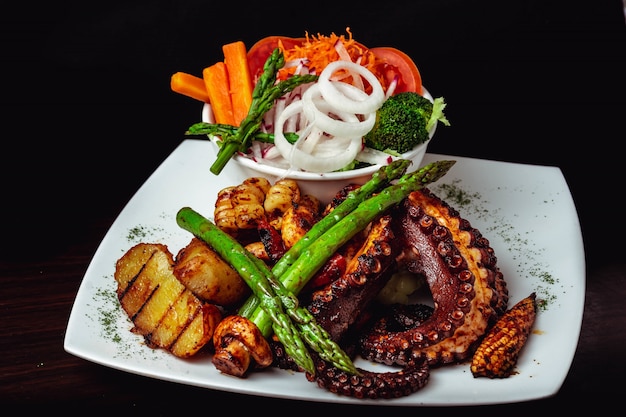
column 525, row 211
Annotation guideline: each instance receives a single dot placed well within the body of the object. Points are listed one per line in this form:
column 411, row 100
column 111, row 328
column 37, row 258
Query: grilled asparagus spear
column 379, row 180
column 265, row 93
column 290, row 322
column 270, row 315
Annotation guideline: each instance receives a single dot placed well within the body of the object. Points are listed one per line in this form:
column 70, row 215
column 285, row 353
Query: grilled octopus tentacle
column 468, row 290
column 426, row 236
column 339, row 304
column 372, row 385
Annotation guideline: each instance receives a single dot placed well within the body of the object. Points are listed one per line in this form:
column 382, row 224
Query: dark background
column 87, row 113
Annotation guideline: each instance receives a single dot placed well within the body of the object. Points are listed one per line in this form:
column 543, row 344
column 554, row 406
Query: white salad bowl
column 324, row 186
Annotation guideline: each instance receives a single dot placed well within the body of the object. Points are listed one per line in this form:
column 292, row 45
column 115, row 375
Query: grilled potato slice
column 198, row 332
column 162, row 309
column 208, row 276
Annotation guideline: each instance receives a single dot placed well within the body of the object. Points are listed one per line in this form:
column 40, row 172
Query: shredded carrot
column 320, row 51
column 189, row 85
column 216, row 81
column 240, row 80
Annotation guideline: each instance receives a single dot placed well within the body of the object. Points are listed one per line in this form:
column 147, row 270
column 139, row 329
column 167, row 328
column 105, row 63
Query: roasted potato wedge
column 208, row 276
column 162, row 309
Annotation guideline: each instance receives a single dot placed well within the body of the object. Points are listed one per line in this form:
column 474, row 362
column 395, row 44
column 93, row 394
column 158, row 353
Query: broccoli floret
column 403, row 122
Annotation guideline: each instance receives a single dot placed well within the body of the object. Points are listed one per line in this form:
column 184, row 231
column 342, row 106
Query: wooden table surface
column 90, row 116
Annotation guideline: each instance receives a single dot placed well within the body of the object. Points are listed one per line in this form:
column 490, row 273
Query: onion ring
column 330, row 90
column 316, row 110
column 310, row 161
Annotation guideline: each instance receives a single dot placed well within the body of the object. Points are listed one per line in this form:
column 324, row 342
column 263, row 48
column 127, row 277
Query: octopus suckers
column 457, row 315
column 455, row 261
column 426, row 222
column 462, row 302
column 466, row 275
column 465, row 288
column 440, row 232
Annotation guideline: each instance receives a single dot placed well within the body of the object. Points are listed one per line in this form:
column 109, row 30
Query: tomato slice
column 394, row 63
column 262, row 49
column 398, row 63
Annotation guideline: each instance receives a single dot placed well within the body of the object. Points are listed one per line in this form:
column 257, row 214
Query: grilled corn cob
column 499, row 350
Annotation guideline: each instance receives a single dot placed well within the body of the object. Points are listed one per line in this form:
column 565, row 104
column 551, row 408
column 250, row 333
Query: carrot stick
column 217, row 86
column 236, row 60
column 189, row 85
